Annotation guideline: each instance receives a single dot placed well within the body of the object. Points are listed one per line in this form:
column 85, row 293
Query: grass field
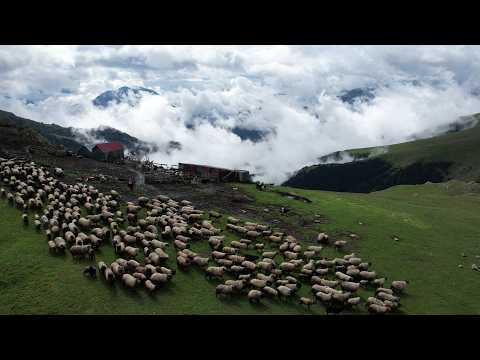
column 434, row 226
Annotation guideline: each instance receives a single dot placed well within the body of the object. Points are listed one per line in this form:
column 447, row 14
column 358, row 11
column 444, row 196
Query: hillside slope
column 454, row 155
column 72, row 139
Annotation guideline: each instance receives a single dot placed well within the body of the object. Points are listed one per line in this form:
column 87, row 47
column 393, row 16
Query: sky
column 288, row 92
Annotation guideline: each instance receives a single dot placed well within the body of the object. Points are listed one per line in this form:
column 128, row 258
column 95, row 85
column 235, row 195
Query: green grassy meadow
column 434, row 227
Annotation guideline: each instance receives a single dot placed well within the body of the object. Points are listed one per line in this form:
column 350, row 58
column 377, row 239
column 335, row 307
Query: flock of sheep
column 80, row 219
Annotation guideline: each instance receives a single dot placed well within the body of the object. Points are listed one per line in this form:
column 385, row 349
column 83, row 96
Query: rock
column 463, row 255
column 475, row 267
column 360, row 223
column 266, row 210
column 460, row 266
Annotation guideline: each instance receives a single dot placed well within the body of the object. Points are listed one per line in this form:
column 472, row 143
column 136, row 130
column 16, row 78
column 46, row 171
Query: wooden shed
column 213, row 173
column 112, row 151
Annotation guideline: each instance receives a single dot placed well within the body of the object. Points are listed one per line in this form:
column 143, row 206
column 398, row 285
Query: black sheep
column 90, row 271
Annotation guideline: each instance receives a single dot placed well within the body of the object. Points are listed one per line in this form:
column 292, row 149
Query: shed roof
column 111, row 146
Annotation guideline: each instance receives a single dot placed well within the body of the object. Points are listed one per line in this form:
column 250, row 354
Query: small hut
column 110, row 152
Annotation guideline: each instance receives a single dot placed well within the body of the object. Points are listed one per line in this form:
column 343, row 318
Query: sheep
column 140, row 276
column 60, row 243
column 341, row 296
column 329, row 283
column 323, row 297
column 322, row 238
column 379, row 282
column 108, row 274
column 169, row 272
column 131, row 251
column 102, row 266
column 259, row 246
column 353, row 272
column 254, row 295
column 341, row 276
column 218, row 255
column 322, row 271
column 354, row 261
column 350, row 286
column 91, row 271
column 180, row 245
column 270, row 291
column 399, row 285
column 385, row 290
column 354, row 301
column 223, row 289
column 229, row 250
column 269, row 254
column 368, row 275
column 378, row 309
column 251, row 266
column 258, row 283
column 232, row 220
column 284, row 291
column 130, row 281
column 339, row 244
column 237, row 259
column 213, row 271
column 200, row 261
column 385, row 296
column 286, row 266
column 79, row 250
column 159, row 278
column 38, row 224
column 215, row 242
column 306, row 301
column 51, row 246
column 117, row 269
column 162, row 254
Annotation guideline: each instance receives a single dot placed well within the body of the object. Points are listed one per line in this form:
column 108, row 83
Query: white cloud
column 240, row 85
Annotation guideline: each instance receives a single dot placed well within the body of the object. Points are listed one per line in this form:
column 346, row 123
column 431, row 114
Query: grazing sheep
column 108, row 274
column 131, row 251
column 270, row 291
column 213, row 271
column 341, row 276
column 223, row 289
column 307, row 302
column 90, row 271
column 368, row 275
column 349, row 286
column 385, row 296
column 339, row 244
column 258, row 283
column 25, row 219
column 117, row 269
column 159, row 278
column 130, row 281
column 385, row 290
column 284, row 291
column 329, row 283
column 51, row 246
column 254, row 295
column 399, row 285
column 354, row 301
column 200, row 261
column 102, row 266
column 323, row 297
column 322, row 238
column 379, row 282
column 378, row 309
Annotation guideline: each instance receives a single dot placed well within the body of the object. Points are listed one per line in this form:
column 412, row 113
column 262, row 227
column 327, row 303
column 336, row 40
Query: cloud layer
column 288, row 91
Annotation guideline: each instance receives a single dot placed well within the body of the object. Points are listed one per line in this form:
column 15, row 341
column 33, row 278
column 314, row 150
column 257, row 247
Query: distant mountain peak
column 124, row 94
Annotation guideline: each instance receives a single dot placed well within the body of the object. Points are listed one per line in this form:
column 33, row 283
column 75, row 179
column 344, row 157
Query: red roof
column 107, row 147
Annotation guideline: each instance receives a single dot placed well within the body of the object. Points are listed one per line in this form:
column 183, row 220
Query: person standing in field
column 131, row 183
